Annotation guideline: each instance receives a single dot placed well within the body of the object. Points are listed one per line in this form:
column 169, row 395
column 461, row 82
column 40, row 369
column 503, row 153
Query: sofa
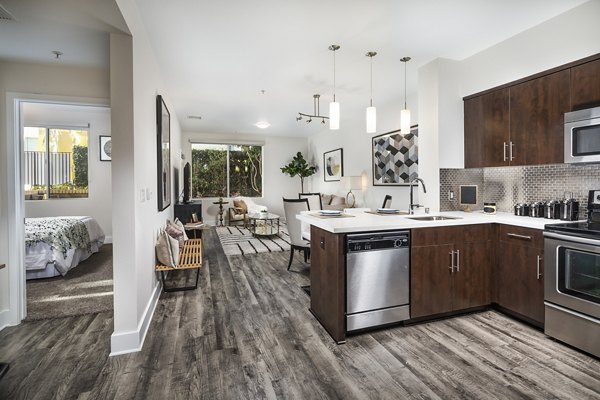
column 333, row 202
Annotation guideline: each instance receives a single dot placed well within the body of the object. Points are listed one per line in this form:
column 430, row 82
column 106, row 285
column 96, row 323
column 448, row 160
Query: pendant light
column 371, row 111
column 405, row 113
column 334, row 106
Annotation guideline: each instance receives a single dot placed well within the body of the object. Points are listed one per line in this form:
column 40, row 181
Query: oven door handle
column 569, row 238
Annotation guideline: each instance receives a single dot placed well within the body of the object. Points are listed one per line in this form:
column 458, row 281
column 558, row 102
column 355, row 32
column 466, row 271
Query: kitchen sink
column 433, row 218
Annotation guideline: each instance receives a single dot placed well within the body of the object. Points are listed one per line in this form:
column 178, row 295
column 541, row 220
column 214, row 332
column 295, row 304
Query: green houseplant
column 299, row 167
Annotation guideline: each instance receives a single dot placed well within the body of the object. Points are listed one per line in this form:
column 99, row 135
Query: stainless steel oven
column 572, row 290
column 582, row 136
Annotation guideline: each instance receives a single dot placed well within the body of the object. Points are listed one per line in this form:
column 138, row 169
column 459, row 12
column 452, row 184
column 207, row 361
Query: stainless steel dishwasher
column 377, row 279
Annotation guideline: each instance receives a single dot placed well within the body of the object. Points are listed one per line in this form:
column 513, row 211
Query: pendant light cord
column 334, row 75
column 371, row 103
column 405, row 85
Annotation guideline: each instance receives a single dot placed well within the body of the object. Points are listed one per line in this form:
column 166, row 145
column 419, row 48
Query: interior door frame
column 16, row 204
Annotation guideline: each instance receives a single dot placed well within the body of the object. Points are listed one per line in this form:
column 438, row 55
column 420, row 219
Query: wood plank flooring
column 246, row 333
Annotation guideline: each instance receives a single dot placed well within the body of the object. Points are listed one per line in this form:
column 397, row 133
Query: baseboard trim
column 133, row 341
column 4, row 319
column 107, row 239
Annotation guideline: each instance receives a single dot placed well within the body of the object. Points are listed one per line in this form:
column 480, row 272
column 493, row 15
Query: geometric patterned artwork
column 395, row 158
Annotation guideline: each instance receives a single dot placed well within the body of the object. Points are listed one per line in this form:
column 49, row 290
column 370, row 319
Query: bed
column 55, row 245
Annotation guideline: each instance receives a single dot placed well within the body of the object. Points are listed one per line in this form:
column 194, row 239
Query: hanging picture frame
column 105, row 148
column 163, row 156
column 396, row 158
column 333, row 165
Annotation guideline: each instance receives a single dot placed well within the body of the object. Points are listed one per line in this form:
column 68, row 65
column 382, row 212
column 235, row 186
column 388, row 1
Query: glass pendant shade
column 371, row 119
column 334, row 115
column 405, row 122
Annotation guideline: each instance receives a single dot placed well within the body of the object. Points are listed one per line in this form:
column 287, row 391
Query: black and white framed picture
column 105, row 148
column 396, row 158
column 163, row 147
column 333, row 165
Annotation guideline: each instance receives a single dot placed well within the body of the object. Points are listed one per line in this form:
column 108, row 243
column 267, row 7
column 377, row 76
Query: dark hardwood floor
column 246, row 333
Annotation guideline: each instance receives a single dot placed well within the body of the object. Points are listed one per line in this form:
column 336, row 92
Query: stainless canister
column 552, row 209
column 536, row 209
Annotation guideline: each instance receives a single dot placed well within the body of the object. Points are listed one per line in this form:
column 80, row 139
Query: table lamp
column 351, row 182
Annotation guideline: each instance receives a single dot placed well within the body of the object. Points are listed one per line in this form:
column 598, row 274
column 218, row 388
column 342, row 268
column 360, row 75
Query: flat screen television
column 187, row 182
column 468, row 196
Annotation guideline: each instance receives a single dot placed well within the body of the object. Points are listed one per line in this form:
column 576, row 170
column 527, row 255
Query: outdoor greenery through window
column 226, row 170
column 55, row 163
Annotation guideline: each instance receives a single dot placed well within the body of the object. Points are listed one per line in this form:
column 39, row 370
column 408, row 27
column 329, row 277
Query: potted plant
column 299, row 167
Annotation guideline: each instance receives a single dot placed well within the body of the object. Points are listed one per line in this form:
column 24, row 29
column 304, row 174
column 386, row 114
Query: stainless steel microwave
column 582, row 136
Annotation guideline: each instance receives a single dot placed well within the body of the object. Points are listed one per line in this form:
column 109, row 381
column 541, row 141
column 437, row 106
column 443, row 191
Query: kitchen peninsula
column 466, row 262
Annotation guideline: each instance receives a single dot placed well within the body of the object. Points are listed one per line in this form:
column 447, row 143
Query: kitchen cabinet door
column 472, row 275
column 430, row 280
column 585, row 85
column 486, row 129
column 520, row 289
column 537, row 109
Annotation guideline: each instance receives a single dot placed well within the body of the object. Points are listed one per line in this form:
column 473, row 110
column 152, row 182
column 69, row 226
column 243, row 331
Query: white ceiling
column 217, row 56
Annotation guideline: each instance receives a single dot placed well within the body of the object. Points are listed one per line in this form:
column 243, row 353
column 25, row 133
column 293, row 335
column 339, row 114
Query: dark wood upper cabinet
column 585, row 85
column 486, row 129
column 537, row 109
column 522, row 122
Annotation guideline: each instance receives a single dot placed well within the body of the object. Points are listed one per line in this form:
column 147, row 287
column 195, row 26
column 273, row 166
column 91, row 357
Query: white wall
column 277, row 151
column 357, row 146
column 98, row 203
column 136, row 81
column 54, row 80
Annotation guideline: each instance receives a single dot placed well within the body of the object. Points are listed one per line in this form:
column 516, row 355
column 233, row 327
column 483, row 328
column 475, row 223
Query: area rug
column 86, row 289
column 237, row 240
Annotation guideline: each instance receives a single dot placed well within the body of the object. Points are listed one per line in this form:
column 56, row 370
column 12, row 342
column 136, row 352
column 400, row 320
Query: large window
column 226, row 170
column 55, row 163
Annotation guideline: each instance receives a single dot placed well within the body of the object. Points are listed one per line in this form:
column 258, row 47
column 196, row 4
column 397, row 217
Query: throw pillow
column 241, row 204
column 174, row 231
column 181, row 227
column 337, row 200
column 326, row 199
column 167, row 250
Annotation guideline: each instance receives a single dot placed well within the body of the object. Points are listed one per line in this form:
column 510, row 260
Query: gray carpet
column 86, row 289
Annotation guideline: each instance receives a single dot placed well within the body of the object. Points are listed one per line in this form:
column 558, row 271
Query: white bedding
column 42, row 260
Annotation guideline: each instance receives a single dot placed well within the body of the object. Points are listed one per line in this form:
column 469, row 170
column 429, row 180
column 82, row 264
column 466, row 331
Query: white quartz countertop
column 362, row 221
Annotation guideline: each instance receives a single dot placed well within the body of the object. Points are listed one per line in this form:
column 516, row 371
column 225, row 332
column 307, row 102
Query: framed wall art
column 395, row 158
column 163, row 147
column 333, row 165
column 105, row 148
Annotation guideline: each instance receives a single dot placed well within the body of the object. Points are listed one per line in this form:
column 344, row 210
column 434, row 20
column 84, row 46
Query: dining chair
column 314, row 200
column 387, row 202
column 293, row 207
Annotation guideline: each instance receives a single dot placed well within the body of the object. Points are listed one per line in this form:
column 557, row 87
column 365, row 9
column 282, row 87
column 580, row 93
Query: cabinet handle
column 322, row 242
column 504, row 157
column 539, row 260
column 451, row 266
column 510, row 152
column 457, row 260
column 517, row 236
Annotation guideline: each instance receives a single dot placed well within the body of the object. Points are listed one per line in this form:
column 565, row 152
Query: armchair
column 242, row 206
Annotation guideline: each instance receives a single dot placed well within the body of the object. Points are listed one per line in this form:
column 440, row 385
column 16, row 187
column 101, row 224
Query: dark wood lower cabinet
column 328, row 281
column 453, row 276
column 519, row 277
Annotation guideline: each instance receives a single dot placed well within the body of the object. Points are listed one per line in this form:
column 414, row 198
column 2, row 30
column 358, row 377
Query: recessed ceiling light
column 262, row 124
column 194, row 117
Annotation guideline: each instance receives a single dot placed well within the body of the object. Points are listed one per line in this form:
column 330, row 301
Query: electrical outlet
column 148, row 194
column 451, row 195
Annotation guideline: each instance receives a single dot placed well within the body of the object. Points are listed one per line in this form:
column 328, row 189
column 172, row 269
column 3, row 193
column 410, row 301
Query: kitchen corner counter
column 366, row 222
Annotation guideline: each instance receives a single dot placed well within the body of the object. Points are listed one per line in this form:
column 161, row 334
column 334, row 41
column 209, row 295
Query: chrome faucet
column 411, row 206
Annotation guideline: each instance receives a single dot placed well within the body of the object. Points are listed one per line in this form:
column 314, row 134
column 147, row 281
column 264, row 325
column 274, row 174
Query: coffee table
column 264, row 224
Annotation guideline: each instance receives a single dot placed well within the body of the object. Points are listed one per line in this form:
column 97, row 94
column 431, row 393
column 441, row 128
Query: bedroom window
column 226, row 170
column 55, row 163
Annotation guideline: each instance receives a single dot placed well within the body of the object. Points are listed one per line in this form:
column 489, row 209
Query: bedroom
column 68, row 220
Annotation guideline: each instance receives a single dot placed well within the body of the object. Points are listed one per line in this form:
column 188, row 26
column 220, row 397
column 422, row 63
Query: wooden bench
column 190, row 257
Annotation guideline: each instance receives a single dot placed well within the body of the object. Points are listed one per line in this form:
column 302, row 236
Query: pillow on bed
column 167, row 250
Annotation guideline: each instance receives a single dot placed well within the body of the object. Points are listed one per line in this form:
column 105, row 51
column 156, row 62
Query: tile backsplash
column 507, row 186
